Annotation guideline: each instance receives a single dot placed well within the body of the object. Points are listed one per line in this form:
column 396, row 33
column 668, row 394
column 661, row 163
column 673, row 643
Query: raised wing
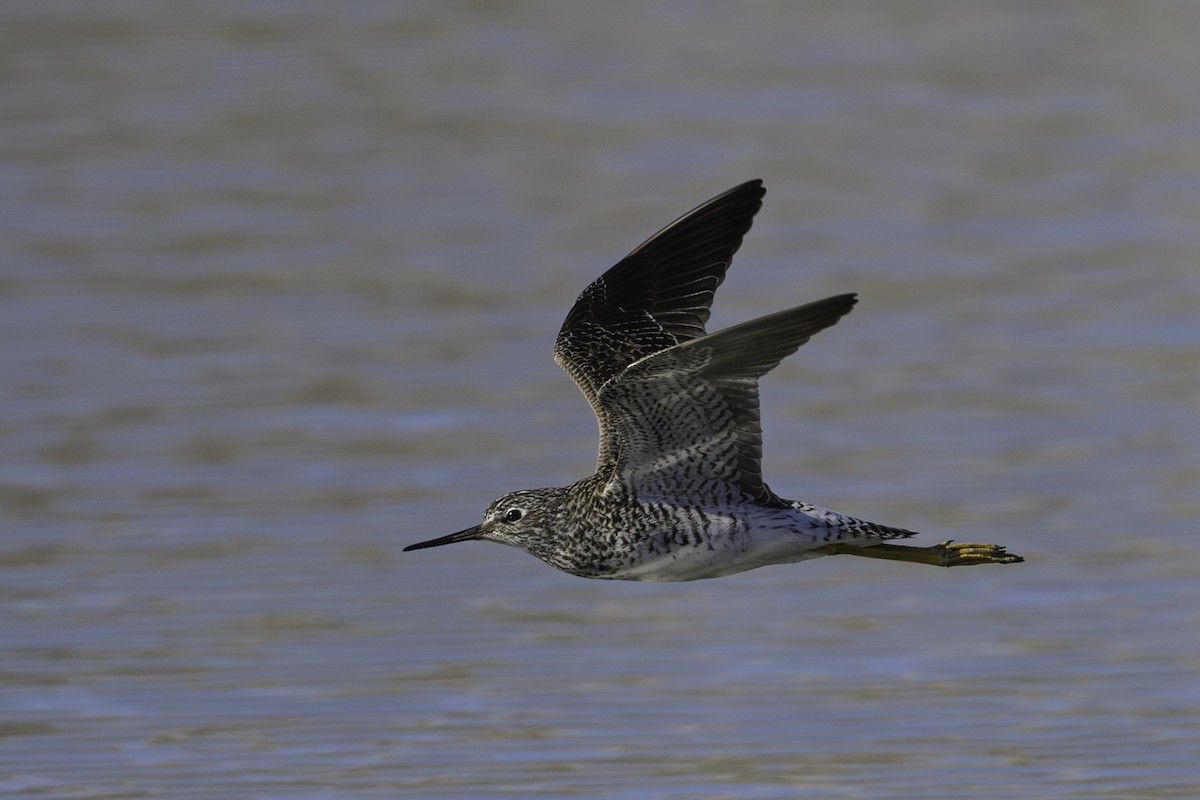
column 656, row 297
column 685, row 421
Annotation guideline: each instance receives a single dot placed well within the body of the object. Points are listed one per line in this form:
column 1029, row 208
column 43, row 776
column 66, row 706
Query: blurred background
column 278, row 287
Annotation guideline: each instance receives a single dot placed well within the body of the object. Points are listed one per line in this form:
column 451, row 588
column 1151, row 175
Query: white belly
column 693, row 562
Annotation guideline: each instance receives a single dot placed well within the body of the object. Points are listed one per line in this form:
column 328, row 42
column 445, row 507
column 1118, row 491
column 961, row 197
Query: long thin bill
column 462, row 536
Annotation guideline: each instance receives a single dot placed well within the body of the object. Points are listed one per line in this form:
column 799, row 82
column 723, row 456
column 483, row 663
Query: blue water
column 277, row 295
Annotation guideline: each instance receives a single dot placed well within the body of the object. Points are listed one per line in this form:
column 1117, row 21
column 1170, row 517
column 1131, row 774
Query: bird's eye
column 513, row 514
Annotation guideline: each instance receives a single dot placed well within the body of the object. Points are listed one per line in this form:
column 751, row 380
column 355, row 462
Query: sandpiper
column 678, row 491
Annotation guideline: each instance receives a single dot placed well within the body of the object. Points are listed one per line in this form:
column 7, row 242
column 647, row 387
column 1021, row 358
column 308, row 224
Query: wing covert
column 686, row 420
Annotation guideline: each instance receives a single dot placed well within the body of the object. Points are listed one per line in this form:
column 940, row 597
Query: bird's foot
column 961, row 554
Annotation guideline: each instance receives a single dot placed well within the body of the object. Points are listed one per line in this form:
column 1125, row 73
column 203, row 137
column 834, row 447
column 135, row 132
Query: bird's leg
column 947, row 554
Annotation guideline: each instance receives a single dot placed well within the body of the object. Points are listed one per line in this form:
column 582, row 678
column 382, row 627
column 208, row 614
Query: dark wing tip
column 840, row 304
column 753, row 348
column 659, row 294
column 732, row 210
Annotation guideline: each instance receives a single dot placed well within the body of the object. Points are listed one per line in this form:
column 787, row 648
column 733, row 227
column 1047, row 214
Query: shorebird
column 678, row 491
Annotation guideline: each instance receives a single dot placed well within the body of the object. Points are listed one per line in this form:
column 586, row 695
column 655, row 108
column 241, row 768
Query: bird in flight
column 678, row 491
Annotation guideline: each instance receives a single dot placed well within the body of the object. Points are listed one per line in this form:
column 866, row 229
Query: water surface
column 277, row 291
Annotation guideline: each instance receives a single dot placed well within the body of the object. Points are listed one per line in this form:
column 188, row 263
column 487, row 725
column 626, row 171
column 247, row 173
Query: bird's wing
column 685, row 420
column 656, row 297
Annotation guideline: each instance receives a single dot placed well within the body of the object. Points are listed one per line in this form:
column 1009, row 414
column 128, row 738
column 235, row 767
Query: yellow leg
column 947, row 554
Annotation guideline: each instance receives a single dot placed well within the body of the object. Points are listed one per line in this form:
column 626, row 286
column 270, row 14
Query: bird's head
column 524, row 519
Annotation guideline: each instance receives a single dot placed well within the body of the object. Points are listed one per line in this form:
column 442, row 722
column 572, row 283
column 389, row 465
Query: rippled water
column 278, row 287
